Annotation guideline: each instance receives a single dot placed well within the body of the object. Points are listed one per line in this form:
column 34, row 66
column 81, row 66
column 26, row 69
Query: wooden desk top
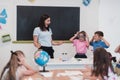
column 55, row 76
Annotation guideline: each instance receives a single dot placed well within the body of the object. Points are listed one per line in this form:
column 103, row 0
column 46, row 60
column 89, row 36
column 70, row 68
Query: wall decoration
column 86, row 2
column 31, row 0
column 3, row 16
column 6, row 38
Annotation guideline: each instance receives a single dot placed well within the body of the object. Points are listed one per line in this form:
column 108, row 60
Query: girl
column 16, row 68
column 42, row 36
column 117, row 49
column 81, row 42
column 102, row 67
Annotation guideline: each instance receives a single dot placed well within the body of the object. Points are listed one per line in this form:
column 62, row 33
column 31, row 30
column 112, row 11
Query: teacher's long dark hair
column 41, row 23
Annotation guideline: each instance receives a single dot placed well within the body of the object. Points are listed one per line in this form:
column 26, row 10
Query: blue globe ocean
column 41, row 57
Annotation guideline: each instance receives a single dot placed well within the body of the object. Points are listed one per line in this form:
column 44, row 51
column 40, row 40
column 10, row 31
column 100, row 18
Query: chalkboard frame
column 54, row 32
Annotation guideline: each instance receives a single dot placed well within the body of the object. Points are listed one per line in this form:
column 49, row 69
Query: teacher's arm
column 57, row 43
column 35, row 41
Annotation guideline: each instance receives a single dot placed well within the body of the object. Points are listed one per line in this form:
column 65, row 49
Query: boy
column 98, row 40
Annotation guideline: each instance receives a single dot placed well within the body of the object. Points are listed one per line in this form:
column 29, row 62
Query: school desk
column 68, row 64
column 59, row 74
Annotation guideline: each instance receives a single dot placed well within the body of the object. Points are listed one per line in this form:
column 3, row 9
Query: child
column 98, row 40
column 16, row 68
column 81, row 42
column 117, row 67
column 102, row 67
column 117, row 50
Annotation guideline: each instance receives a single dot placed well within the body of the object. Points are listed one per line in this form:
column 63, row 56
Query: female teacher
column 42, row 36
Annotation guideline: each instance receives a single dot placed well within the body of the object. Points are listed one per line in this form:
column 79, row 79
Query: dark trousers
column 49, row 50
column 78, row 55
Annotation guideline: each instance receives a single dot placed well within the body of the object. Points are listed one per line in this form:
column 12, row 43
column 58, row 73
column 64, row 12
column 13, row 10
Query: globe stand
column 44, row 70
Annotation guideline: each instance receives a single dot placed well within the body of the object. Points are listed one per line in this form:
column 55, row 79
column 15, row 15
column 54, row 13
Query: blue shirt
column 97, row 44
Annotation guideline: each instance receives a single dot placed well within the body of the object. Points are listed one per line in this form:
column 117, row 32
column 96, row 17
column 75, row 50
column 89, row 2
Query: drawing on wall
column 3, row 16
column 86, row 2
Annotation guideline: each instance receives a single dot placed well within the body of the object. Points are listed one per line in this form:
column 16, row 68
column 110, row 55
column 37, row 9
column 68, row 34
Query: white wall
column 88, row 22
column 109, row 22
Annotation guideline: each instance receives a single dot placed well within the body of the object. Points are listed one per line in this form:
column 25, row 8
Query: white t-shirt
column 44, row 37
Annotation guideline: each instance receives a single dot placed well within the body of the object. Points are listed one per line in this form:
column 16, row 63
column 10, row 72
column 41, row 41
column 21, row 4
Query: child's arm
column 92, row 39
column 117, row 50
column 106, row 42
column 87, row 74
column 35, row 41
column 72, row 38
column 29, row 70
column 87, row 40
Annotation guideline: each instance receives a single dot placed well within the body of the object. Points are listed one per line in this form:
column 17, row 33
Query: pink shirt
column 81, row 46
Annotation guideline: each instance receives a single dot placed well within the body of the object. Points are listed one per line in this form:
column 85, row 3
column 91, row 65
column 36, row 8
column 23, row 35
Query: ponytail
column 12, row 66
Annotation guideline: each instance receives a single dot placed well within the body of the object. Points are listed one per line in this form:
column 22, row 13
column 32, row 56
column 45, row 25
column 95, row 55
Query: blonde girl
column 16, row 68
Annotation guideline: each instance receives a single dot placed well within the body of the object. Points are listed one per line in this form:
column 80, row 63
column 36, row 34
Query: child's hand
column 86, row 34
column 21, row 59
column 102, row 38
column 76, row 34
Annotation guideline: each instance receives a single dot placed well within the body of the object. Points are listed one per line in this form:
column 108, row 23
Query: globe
column 41, row 57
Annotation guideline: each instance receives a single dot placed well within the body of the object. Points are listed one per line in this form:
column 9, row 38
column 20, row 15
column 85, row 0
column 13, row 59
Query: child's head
column 15, row 56
column 82, row 35
column 13, row 64
column 101, row 62
column 98, row 35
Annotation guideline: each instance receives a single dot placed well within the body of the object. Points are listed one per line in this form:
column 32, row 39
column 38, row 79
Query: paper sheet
column 47, row 74
column 76, row 77
column 70, row 73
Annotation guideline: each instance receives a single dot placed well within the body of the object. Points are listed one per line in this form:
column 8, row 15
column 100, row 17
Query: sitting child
column 102, row 67
column 16, row 68
column 81, row 42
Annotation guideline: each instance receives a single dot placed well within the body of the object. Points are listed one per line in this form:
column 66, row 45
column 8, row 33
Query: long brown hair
column 101, row 63
column 41, row 23
column 12, row 65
